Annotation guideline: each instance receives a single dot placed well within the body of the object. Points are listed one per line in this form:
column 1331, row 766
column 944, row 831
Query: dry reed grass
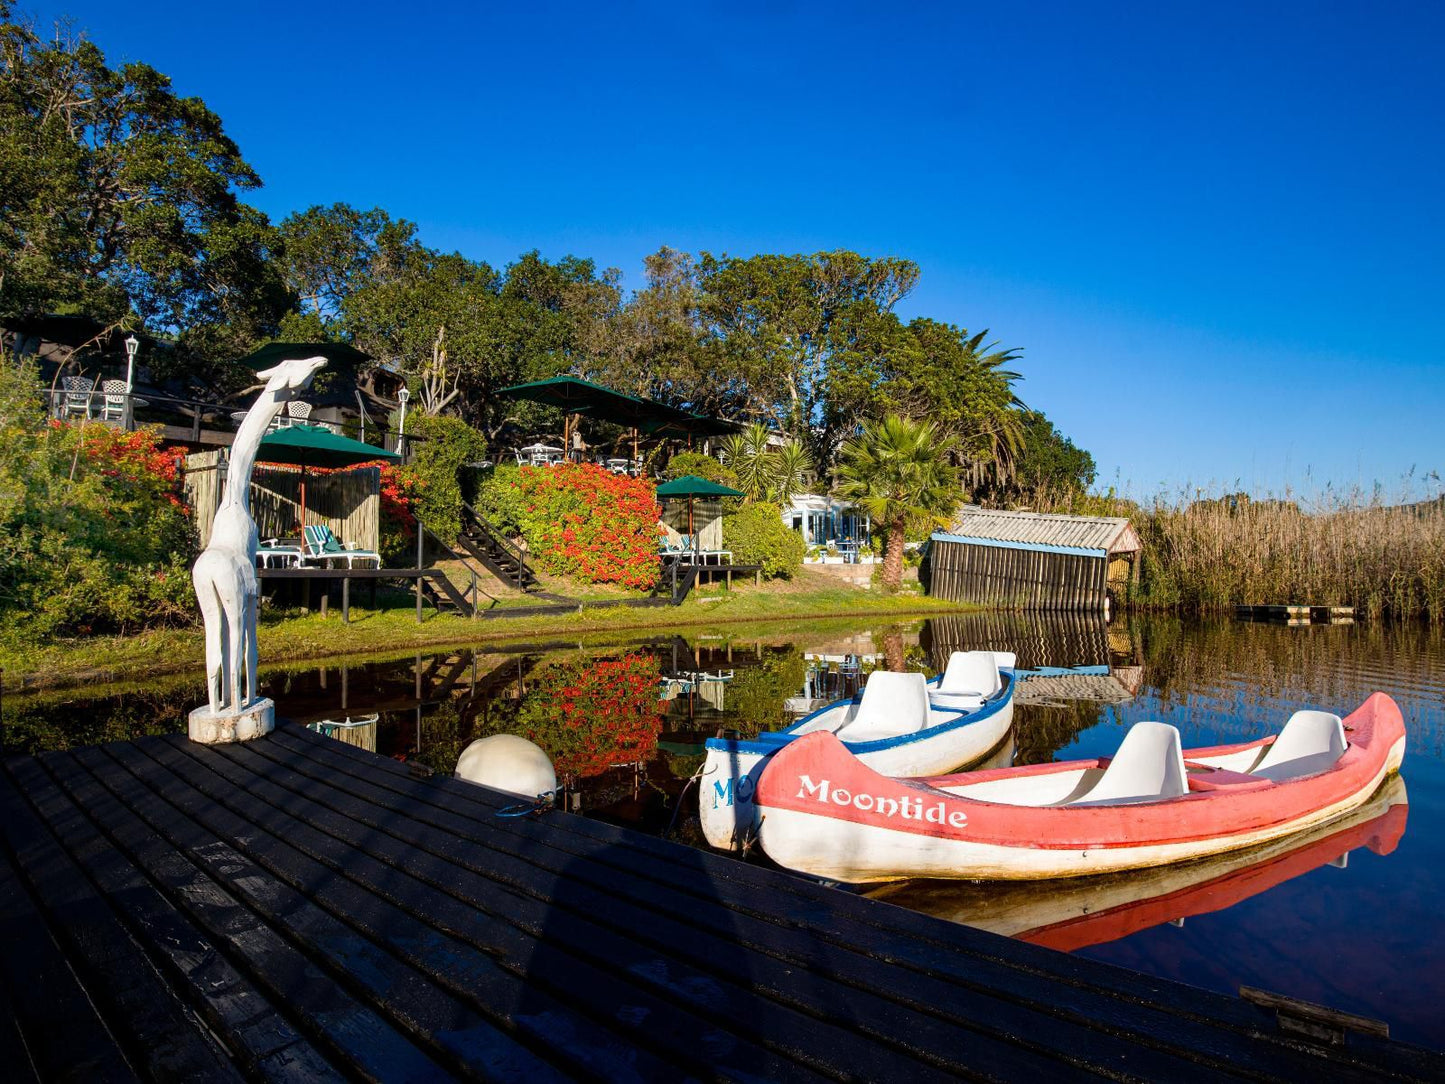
column 1206, row 553
column 1385, row 560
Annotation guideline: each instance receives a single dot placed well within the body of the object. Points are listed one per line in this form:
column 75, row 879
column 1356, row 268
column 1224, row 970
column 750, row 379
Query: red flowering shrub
column 582, row 520
column 135, row 461
column 96, row 535
column 592, row 714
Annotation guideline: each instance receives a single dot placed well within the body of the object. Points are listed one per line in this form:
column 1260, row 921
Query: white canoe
column 900, row 725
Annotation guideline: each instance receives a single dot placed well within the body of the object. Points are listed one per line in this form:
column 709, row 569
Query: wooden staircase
column 489, row 547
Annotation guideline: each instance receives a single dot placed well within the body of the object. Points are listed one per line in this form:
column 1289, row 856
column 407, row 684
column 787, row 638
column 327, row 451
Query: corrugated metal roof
column 1109, row 533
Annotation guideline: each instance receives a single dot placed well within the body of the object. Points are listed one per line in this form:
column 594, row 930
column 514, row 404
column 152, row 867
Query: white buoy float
column 508, row 763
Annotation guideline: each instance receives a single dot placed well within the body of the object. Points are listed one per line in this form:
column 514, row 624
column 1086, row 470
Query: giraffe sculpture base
column 255, row 720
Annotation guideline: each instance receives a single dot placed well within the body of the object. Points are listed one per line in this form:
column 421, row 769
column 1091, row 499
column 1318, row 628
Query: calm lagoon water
column 1348, row 916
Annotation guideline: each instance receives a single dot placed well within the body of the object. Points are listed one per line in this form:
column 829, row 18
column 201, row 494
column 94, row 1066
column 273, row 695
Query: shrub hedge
column 579, row 519
column 437, row 472
column 94, row 536
column 757, row 535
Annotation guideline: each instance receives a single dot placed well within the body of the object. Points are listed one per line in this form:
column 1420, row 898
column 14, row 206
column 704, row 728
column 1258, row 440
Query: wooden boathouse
column 297, row 909
column 1030, row 560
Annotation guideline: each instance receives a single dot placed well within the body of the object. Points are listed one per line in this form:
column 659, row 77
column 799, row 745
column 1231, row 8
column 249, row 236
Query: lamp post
column 132, row 347
column 403, row 396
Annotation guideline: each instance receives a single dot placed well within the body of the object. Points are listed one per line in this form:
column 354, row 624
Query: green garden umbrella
column 316, row 446
column 691, row 487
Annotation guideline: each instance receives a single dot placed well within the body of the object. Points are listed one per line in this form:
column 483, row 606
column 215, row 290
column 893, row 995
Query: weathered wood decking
column 297, row 909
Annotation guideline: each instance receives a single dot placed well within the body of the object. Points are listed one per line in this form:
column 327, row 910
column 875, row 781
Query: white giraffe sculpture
column 225, row 575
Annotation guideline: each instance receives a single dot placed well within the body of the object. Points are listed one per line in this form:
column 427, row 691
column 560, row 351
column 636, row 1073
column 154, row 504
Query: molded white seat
column 971, row 672
column 892, row 704
column 1312, row 741
column 1148, row 767
column 1005, row 660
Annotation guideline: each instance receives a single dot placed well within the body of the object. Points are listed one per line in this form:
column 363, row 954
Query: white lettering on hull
column 912, row 809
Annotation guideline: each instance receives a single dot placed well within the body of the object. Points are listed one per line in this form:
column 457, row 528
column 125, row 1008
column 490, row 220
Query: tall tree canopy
column 119, row 198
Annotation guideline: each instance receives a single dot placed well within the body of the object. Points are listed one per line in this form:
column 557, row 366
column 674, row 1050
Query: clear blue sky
column 1215, row 229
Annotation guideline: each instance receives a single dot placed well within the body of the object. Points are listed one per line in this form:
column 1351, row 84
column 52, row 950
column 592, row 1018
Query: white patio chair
column 113, row 401
column 297, row 412
column 79, row 391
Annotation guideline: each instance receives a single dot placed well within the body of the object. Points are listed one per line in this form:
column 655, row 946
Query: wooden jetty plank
column 63, row 1036
column 249, row 1024
column 1081, row 1004
column 159, row 1036
column 383, row 909
column 682, row 952
column 13, row 1055
column 436, row 1024
column 352, row 893
column 362, row 1041
column 877, row 990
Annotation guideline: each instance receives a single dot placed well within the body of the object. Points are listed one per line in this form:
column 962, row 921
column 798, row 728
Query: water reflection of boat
column 1073, row 914
column 823, row 811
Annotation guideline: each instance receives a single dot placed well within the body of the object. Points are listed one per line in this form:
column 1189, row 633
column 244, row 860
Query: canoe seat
column 1148, row 767
column 970, row 673
column 892, row 704
column 1311, row 742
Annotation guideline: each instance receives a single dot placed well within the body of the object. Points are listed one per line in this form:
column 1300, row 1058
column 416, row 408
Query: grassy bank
column 298, row 638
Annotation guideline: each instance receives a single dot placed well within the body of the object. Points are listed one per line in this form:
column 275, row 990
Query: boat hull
column 1083, row 911
column 733, row 767
column 823, row 812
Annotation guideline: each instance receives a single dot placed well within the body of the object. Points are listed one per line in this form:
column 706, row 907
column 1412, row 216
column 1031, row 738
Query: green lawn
column 296, row 637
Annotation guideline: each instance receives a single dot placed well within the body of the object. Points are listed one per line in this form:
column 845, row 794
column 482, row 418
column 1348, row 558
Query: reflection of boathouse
column 1030, row 561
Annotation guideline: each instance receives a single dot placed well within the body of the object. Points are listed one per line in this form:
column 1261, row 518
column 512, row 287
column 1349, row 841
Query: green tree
column 897, row 470
column 806, row 336
column 119, row 198
column 1050, row 466
column 941, row 372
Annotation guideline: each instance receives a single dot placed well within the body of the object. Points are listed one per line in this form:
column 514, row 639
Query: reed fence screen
column 349, row 502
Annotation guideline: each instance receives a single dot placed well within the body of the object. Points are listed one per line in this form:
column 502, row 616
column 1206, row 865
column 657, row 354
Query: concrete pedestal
column 255, row 720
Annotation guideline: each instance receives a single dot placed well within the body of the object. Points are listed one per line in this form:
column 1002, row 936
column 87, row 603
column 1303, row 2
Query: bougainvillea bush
column 580, row 520
column 591, row 714
column 94, row 535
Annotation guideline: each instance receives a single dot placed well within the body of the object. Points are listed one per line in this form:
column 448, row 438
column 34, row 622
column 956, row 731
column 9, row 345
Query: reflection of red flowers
column 592, row 714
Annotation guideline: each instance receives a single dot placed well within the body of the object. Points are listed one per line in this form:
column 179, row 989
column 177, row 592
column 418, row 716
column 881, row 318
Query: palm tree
column 766, row 474
column 897, row 471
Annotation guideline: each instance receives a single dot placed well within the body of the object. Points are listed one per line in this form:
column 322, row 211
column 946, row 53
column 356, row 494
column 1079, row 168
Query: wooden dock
column 1298, row 615
column 298, row 909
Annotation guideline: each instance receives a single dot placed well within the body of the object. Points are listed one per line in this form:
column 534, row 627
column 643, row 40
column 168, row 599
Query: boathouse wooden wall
column 1016, row 577
column 348, row 502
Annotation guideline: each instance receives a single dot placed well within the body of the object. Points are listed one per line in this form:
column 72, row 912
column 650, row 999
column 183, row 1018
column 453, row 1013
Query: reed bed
column 1385, row 560
column 1205, row 552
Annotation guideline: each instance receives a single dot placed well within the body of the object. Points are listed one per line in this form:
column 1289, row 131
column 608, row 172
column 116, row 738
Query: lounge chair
column 271, row 553
column 324, row 547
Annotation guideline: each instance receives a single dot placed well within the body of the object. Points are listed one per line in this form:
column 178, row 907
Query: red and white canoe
column 825, row 813
column 1080, row 911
